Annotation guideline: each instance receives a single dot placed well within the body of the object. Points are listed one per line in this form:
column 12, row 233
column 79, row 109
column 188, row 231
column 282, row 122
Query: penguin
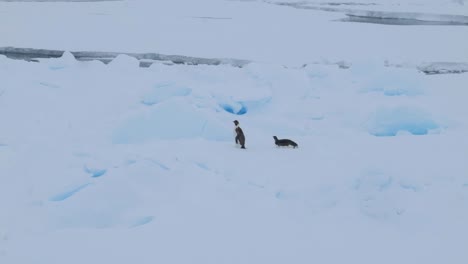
column 285, row 142
column 240, row 137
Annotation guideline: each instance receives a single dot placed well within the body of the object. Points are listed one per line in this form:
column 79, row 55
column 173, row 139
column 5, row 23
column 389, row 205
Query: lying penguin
column 285, row 142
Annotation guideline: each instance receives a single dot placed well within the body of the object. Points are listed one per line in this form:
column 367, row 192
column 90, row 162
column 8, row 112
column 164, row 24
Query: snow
column 119, row 163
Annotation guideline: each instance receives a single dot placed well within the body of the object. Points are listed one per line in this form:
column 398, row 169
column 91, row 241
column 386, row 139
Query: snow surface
column 250, row 30
column 121, row 164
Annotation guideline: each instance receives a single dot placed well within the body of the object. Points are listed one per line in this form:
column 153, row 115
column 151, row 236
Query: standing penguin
column 240, row 138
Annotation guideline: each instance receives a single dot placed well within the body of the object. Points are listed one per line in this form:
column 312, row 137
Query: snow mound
column 163, row 92
column 395, row 82
column 123, row 61
column 66, row 60
column 101, row 210
column 390, row 121
column 95, row 173
column 171, row 120
column 386, row 197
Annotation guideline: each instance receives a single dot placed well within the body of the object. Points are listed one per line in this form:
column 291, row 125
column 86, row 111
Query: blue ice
column 280, row 195
column 202, row 165
column 164, row 92
column 143, row 221
column 254, row 104
column 241, row 107
column 169, row 121
column 393, row 91
column 95, row 173
column 230, row 109
column 388, row 122
column 395, row 82
column 67, row 194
